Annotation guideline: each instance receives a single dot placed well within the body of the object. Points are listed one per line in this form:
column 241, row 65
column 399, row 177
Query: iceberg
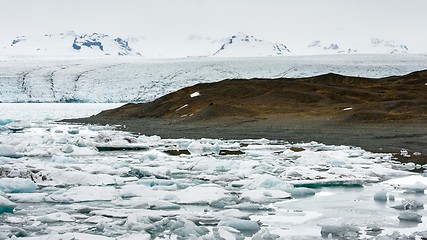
column 240, row 224
column 410, row 216
column 381, row 196
column 6, row 205
column 56, row 217
column 344, row 231
column 17, row 185
column 7, row 151
column 409, row 205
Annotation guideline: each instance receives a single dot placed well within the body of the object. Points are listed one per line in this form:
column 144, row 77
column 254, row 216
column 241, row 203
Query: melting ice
column 57, row 183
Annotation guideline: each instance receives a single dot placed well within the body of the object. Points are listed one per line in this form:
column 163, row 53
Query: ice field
column 136, row 80
column 61, row 181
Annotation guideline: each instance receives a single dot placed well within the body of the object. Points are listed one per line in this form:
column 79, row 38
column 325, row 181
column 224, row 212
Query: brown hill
column 388, row 113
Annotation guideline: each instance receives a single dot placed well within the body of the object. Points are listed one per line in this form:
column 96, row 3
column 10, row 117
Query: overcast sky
column 176, row 20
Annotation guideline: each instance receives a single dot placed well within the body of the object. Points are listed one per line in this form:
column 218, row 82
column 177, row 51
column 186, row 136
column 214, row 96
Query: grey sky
column 169, row 20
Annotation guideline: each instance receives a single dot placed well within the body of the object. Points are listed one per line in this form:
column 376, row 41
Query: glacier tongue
column 142, row 80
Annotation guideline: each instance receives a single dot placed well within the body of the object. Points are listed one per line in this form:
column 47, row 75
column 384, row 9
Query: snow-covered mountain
column 372, row 46
column 69, row 44
column 242, row 45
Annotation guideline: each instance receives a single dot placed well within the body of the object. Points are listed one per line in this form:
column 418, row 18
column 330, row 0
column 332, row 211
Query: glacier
column 112, row 80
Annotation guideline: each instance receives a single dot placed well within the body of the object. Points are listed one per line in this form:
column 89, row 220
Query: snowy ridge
column 375, row 46
column 242, row 45
column 69, row 44
column 129, row 80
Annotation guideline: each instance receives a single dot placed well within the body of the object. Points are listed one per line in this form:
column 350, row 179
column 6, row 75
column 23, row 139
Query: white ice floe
column 17, row 185
column 411, row 216
column 6, row 205
column 84, row 194
column 343, row 231
column 381, row 196
column 7, row 151
column 56, row 217
column 415, row 183
column 240, row 224
column 211, row 188
column 409, row 205
column 28, row 197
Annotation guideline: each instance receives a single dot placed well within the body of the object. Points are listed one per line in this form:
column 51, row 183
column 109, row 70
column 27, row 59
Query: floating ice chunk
column 267, row 181
column 17, row 185
column 246, row 206
column 8, row 151
column 153, row 138
column 67, row 148
column 197, row 147
column 5, row 121
column 85, row 194
column 240, row 224
column 56, row 217
column 74, row 131
column 301, row 192
column 154, row 154
column 409, row 166
column 409, row 205
column 265, row 196
column 418, row 187
column 63, row 159
column 195, row 94
column 28, row 197
column 97, row 219
column 410, row 216
column 135, row 236
column 14, row 220
column 18, row 125
column 408, row 182
column 344, row 231
column 264, row 234
column 69, row 236
column 79, row 142
column 380, row 196
column 202, row 194
column 185, row 228
column 6, row 205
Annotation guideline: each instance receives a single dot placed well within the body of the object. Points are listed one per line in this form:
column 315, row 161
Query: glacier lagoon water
column 203, row 193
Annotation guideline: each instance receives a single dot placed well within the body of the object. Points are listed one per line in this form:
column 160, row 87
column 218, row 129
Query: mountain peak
column 243, row 45
column 70, row 44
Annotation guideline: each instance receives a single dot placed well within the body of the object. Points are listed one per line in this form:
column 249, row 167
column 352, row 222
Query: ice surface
column 6, row 206
column 269, row 190
column 410, row 215
column 7, row 151
column 381, row 196
column 56, row 217
column 17, row 185
column 96, row 80
column 240, row 224
column 344, row 231
column 409, row 205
